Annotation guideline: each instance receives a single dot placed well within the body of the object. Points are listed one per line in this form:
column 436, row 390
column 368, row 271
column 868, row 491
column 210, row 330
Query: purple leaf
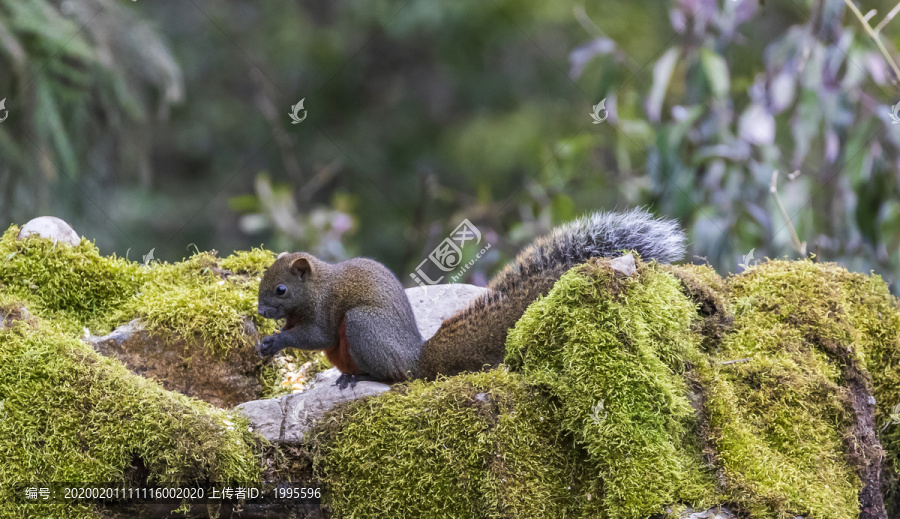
column 832, row 146
column 757, row 126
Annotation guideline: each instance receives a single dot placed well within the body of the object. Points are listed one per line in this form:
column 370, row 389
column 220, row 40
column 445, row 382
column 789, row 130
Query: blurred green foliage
column 423, row 113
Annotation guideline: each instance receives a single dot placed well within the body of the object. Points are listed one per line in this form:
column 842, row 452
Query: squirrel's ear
column 301, row 267
column 281, row 255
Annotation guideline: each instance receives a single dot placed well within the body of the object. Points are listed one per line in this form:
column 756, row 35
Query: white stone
column 52, row 228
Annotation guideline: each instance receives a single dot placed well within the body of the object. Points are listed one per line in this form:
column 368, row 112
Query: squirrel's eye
column 280, row 290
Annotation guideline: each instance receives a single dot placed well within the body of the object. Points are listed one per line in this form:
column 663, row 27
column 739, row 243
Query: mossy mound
column 797, row 350
column 614, row 351
column 475, row 445
column 821, row 341
column 203, row 307
column 628, row 397
column 202, row 297
column 70, row 415
column 74, row 285
column 196, row 298
column 776, row 399
column 640, row 396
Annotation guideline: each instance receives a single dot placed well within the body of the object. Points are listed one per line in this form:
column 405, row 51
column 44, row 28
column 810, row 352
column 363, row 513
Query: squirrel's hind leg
column 383, row 346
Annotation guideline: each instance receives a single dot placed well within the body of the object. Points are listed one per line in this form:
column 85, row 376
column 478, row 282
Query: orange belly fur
column 339, row 353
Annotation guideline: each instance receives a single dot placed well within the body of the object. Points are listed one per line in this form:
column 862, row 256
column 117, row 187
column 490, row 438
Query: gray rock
column 718, row 512
column 266, row 416
column 117, row 336
column 623, row 264
column 286, row 419
column 52, row 228
column 303, row 409
column 432, row 305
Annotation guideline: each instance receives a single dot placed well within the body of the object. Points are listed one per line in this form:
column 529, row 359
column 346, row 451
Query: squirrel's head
column 287, row 290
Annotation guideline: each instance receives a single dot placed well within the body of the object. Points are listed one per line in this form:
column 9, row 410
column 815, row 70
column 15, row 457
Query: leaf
column 662, row 74
column 716, row 71
column 782, row 91
column 757, row 125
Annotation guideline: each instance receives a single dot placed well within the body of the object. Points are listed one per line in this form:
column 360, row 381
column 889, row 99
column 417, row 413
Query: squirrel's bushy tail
column 476, row 336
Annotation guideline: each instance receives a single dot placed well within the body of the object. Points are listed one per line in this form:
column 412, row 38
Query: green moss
column 875, row 316
column 78, row 288
column 642, row 411
column 622, row 404
column 780, row 421
column 190, row 299
column 623, row 343
column 71, row 415
column 75, row 285
column 252, row 262
column 476, row 445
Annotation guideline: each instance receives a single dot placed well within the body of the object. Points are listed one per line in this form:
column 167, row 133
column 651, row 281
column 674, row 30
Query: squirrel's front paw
column 268, row 346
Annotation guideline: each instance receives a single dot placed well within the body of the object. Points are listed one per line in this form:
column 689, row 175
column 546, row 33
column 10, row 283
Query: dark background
column 164, row 125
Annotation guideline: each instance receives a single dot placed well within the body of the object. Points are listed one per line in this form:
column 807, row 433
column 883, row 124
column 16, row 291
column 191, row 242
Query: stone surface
column 286, row 419
column 432, row 305
column 266, row 416
column 623, row 264
column 712, row 513
column 182, row 365
column 52, row 228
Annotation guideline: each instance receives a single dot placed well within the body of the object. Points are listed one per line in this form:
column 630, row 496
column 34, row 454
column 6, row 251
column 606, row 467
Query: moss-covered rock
column 197, row 317
column 74, row 285
column 80, row 288
column 813, row 333
column 623, row 396
column 647, row 394
column 787, row 394
column 475, row 445
column 71, row 415
column 614, row 351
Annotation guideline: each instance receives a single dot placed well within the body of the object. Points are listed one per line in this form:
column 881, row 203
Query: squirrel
column 358, row 313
